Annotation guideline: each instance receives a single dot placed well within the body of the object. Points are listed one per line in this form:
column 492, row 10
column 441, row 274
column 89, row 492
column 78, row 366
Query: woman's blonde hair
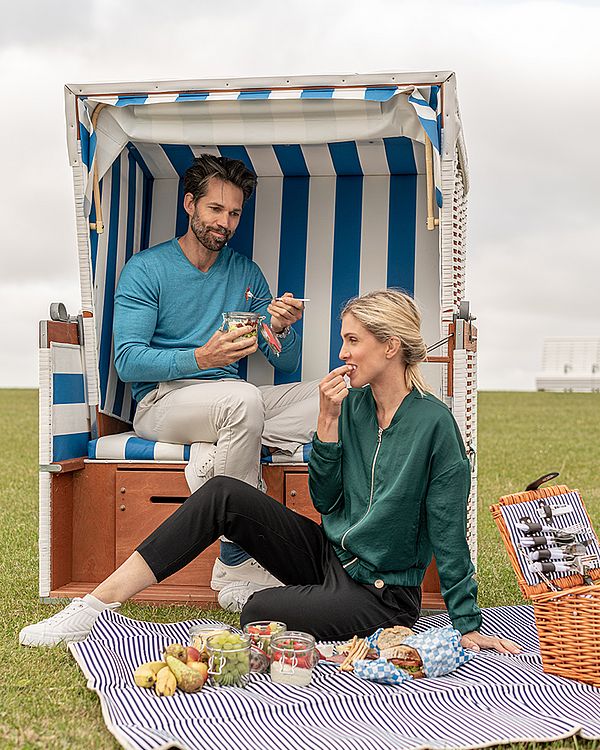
column 388, row 313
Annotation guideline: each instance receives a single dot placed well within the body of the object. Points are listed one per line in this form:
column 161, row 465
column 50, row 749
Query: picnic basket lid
column 531, row 591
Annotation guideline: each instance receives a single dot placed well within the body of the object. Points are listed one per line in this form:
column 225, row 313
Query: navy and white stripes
column 491, row 700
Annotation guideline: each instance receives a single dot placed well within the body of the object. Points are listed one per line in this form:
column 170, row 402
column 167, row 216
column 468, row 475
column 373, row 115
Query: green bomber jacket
column 390, row 499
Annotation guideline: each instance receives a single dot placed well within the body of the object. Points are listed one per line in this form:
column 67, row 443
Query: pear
column 177, row 650
column 200, row 667
column 187, row 679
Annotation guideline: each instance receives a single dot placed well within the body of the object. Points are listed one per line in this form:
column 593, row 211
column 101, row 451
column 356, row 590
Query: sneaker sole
column 48, row 641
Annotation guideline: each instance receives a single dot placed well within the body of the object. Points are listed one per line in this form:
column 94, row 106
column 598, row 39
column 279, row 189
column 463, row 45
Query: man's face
column 216, row 215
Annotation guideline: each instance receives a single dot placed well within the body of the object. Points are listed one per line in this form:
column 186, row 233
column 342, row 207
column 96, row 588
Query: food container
column 260, row 634
column 233, row 320
column 199, row 634
column 262, row 631
column 293, row 657
column 228, row 659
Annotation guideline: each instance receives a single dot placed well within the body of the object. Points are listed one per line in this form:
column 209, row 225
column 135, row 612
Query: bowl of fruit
column 293, row 657
column 228, row 659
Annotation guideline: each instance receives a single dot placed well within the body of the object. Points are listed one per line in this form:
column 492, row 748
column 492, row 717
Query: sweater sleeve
column 135, row 316
column 325, row 475
column 446, row 505
column 289, row 357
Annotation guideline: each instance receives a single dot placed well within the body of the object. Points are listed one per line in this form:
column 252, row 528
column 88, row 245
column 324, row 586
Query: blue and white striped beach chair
column 362, row 184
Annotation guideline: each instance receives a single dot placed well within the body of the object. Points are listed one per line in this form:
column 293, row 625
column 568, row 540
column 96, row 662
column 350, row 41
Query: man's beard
column 204, row 235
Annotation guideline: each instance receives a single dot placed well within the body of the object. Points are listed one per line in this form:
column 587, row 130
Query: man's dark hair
column 207, row 166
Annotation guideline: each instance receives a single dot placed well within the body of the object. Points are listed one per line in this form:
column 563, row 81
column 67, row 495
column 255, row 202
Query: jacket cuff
column 467, row 623
column 327, row 451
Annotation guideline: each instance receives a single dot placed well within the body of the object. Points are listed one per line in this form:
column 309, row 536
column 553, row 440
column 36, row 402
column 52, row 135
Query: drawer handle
column 293, row 493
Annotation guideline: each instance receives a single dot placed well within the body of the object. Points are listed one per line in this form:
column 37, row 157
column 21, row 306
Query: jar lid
column 243, row 644
column 243, row 314
column 263, row 625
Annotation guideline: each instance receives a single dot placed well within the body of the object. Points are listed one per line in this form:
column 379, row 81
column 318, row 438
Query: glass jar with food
column 199, row 634
column 260, row 634
column 293, row 657
column 233, row 320
column 228, row 659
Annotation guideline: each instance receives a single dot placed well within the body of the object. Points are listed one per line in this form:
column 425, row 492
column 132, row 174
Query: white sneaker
column 73, row 623
column 247, row 572
column 201, row 466
column 234, row 596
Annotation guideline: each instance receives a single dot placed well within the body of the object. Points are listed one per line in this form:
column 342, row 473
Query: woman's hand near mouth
column 332, row 391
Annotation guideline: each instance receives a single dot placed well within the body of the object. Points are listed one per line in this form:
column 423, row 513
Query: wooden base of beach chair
column 102, row 511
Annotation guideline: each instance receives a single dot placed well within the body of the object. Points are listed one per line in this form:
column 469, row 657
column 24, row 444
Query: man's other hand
column 285, row 311
column 224, row 348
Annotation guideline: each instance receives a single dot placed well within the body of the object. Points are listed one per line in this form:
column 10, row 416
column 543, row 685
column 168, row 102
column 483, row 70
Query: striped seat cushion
column 127, row 446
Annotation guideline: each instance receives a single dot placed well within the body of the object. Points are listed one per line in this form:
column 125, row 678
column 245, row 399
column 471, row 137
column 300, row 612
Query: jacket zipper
column 379, row 434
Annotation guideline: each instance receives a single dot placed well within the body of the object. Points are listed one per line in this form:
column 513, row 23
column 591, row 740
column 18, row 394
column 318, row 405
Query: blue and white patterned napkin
column 439, row 648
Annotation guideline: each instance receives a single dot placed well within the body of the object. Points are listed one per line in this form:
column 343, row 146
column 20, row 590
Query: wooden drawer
column 297, row 496
column 143, row 500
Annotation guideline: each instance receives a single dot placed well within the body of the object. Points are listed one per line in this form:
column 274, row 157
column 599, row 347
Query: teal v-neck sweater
column 391, row 498
column 165, row 308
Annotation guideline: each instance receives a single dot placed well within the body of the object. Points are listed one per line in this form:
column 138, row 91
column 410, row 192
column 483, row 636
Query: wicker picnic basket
column 567, row 620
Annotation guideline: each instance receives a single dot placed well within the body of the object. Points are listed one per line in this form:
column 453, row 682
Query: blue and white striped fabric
column 327, row 222
column 127, row 446
column 70, row 430
column 513, row 514
column 494, row 699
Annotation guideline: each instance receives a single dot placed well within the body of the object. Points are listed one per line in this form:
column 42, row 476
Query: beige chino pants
column 233, row 414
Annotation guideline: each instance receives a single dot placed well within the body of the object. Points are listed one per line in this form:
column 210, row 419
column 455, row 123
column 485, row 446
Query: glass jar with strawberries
column 293, row 657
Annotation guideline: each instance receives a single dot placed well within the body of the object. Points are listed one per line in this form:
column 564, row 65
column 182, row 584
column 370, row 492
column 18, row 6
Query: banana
column 166, row 684
column 145, row 675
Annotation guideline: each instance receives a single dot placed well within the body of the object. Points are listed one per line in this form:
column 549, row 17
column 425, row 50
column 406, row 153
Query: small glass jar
column 293, row 657
column 228, row 660
column 233, row 320
column 199, row 634
column 262, row 631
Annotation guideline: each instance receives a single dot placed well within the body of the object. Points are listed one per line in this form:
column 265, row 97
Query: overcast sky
column 530, row 111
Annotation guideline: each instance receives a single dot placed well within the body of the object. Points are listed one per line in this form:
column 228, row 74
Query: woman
column 388, row 473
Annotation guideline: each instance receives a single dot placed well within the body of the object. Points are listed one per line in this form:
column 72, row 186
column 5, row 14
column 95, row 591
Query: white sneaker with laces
column 234, row 596
column 201, row 466
column 247, row 572
column 73, row 623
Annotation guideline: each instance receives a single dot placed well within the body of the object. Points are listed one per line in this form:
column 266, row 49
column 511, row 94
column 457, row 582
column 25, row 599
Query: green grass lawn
column 44, row 702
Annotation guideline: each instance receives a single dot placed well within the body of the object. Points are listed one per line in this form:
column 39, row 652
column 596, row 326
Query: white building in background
column 570, row 364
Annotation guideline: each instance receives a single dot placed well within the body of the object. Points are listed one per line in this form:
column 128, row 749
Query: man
column 184, row 370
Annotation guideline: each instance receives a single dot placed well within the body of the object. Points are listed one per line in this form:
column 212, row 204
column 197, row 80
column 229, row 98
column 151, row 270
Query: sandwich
column 407, row 659
column 389, row 638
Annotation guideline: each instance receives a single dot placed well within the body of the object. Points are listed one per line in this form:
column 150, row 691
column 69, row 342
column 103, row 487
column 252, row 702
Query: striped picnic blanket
column 491, row 700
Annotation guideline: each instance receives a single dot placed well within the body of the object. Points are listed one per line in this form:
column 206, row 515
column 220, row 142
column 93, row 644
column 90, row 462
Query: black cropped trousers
column 318, row 596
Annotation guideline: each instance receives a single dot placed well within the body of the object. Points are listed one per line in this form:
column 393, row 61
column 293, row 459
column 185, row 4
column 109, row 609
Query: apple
column 192, row 655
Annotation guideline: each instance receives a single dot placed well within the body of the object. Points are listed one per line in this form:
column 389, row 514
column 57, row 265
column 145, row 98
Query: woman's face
column 363, row 352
